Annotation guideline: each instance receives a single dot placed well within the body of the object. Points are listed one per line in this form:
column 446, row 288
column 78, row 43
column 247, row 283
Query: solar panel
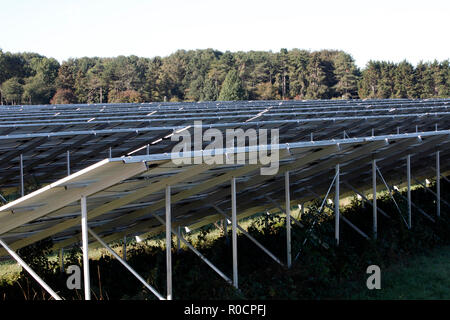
column 120, row 160
column 126, row 189
column 48, row 137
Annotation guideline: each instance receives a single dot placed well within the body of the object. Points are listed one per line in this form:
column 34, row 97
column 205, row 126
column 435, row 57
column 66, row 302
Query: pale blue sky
column 380, row 30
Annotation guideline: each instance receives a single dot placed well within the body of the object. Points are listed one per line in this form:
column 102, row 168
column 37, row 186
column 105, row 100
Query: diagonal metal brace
column 270, row 254
column 367, row 200
column 432, row 192
column 418, row 209
column 351, row 224
column 301, row 225
column 122, row 261
column 392, row 197
column 209, row 263
column 30, row 271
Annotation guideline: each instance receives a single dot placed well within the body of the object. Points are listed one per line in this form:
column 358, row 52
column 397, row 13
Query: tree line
column 209, row 75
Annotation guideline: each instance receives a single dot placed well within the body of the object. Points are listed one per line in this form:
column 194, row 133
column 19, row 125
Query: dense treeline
column 213, row 75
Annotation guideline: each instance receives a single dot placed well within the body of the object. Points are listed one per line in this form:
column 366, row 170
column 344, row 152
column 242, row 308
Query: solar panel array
column 44, row 134
column 126, row 191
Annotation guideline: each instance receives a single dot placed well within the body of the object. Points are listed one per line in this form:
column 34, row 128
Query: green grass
column 423, row 277
column 9, row 270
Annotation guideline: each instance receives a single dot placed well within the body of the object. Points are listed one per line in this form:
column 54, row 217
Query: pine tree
column 232, row 88
column 317, row 88
column 346, row 75
column 404, row 81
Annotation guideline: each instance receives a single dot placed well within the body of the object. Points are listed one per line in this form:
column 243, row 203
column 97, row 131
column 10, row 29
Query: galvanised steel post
column 234, row 232
column 438, row 184
column 22, row 187
column 126, row 265
column 336, row 205
column 374, row 201
column 168, row 244
column 288, row 220
column 84, row 237
column 68, row 162
column 408, row 177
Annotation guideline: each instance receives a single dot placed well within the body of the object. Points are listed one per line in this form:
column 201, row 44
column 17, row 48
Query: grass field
column 422, row 277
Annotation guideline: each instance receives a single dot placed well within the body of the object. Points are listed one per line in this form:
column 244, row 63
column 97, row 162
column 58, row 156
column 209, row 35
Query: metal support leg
column 432, row 192
column 438, row 184
column 156, row 293
column 68, row 162
column 365, row 236
column 84, row 237
column 408, row 177
column 234, row 232
column 270, row 254
column 374, row 201
column 168, row 244
column 417, row 208
column 288, row 220
column 391, row 195
column 336, row 205
column 29, row 270
column 22, row 187
column 367, row 200
column 124, row 250
column 110, row 152
column 195, row 251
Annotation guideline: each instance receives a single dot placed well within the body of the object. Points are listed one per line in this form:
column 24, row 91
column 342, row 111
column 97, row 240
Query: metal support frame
column 391, row 195
column 336, row 205
column 234, row 232
column 220, row 273
column 288, row 220
column 319, row 211
column 418, row 209
column 123, row 262
column 168, row 244
column 438, row 197
column 30, row 271
column 438, row 184
column 341, row 217
column 270, row 254
column 408, row 177
column 84, row 237
column 374, row 200
column 68, row 162
column 3, row 199
column 22, row 186
column 367, row 200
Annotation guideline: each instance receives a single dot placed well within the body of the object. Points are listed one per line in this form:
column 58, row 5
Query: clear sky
column 379, row 29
